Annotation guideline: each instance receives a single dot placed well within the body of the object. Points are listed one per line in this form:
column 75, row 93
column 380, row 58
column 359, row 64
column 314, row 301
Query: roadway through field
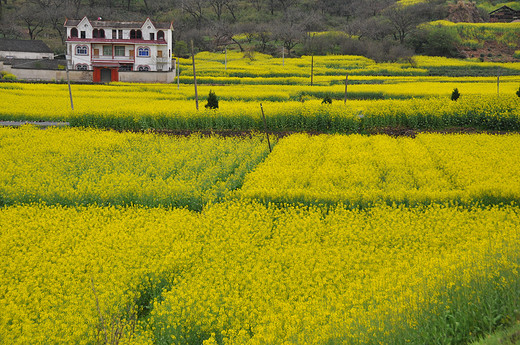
column 42, row 124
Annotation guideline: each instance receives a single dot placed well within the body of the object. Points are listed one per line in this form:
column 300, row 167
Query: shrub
column 9, row 76
column 212, row 101
column 518, row 92
column 327, row 99
column 455, row 94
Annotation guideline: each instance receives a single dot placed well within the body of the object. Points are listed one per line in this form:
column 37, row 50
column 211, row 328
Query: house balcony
column 160, row 59
column 112, row 59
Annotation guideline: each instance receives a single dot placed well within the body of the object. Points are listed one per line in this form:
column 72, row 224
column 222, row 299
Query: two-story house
column 109, row 47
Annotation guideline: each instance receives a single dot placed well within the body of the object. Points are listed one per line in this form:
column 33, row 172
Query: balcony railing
column 161, row 59
column 113, row 58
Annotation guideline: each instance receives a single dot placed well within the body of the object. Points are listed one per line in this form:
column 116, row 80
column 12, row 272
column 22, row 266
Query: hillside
column 383, row 30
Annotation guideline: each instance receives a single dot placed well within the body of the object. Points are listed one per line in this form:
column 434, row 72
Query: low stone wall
column 31, row 74
column 147, row 77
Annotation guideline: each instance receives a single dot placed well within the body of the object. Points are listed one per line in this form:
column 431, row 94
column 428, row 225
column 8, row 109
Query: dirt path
column 42, row 124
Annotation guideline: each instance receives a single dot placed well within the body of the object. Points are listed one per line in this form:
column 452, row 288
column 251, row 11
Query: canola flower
column 141, row 107
column 245, row 273
column 80, row 167
column 365, row 170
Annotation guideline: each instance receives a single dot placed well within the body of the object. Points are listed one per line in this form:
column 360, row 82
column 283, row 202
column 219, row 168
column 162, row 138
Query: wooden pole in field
column 194, row 76
column 346, row 84
column 265, row 127
column 312, row 68
column 178, row 72
column 498, row 85
column 68, row 82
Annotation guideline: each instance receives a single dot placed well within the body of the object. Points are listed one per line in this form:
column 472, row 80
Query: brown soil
column 391, row 131
column 491, row 51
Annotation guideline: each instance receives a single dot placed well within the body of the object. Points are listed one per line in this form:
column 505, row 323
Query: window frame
column 142, row 50
column 82, row 50
column 117, row 51
column 106, row 48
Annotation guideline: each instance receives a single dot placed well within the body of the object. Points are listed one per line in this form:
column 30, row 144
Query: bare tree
column 401, row 19
column 289, row 35
column 232, row 7
column 195, row 8
column 404, row 19
column 32, row 18
column 218, row 7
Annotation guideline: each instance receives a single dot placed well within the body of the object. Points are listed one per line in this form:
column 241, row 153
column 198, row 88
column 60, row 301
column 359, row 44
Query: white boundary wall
column 86, row 76
column 147, row 77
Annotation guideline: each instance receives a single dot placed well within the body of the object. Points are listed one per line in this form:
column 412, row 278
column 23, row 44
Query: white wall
column 48, row 75
column 147, row 77
column 26, row 55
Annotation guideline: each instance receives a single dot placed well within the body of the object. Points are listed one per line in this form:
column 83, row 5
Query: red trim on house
column 106, row 40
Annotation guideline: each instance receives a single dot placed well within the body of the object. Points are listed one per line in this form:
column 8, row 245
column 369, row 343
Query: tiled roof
column 116, row 25
column 32, row 46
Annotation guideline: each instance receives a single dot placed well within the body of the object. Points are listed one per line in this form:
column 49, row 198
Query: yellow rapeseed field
column 244, row 273
column 361, row 170
column 80, row 167
column 144, row 239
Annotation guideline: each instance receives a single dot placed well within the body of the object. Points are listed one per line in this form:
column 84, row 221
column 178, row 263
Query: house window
column 73, row 32
column 143, row 68
column 143, row 52
column 119, row 50
column 107, row 50
column 98, row 33
column 152, row 36
column 125, row 68
column 160, row 35
column 83, row 34
column 82, row 67
column 120, row 34
column 136, row 34
column 81, row 50
column 114, row 33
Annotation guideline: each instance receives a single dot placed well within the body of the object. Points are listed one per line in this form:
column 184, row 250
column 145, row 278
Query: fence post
column 346, row 84
column 265, row 127
column 194, row 77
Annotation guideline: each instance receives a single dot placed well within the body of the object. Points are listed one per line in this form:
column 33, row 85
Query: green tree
column 212, row 101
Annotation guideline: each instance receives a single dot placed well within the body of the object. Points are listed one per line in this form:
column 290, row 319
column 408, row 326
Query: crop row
column 237, row 64
column 365, row 170
column 161, row 107
column 242, row 273
column 75, row 167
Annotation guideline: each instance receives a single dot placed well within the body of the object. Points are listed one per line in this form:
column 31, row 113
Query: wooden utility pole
column 178, row 65
column 498, row 84
column 194, row 76
column 68, row 82
column 265, row 127
column 346, row 84
column 312, row 68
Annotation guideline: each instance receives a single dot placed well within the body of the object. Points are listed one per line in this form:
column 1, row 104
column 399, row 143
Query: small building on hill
column 24, row 49
column 504, row 14
column 113, row 51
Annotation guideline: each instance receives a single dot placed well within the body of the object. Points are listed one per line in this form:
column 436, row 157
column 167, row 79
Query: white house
column 24, row 49
column 110, row 48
